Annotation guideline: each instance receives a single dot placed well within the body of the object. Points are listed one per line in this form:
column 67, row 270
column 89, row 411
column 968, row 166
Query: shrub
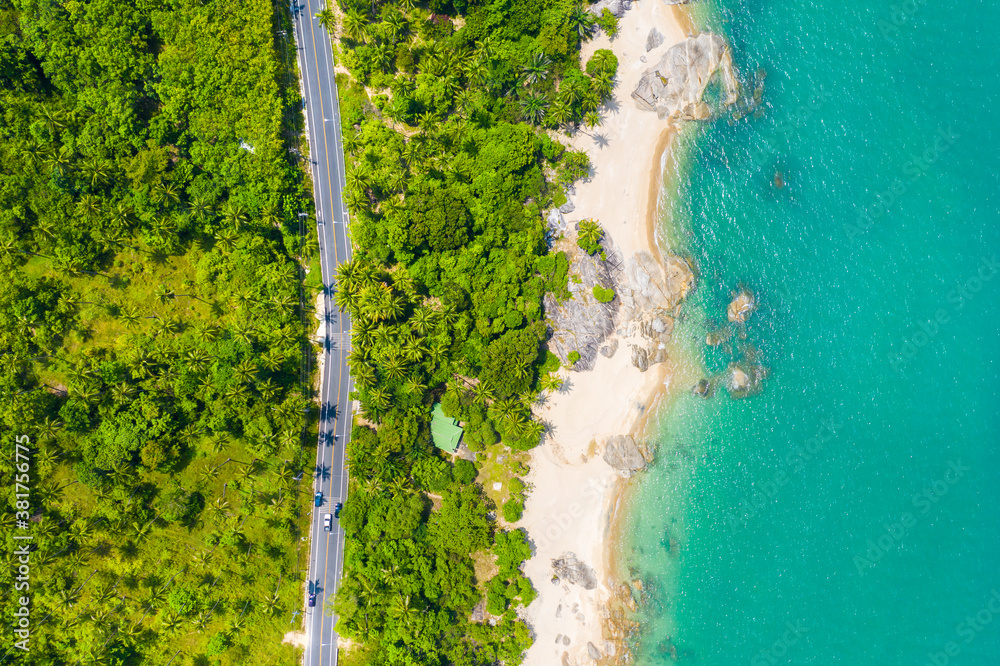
column 513, row 509
column 608, row 22
column 573, row 357
column 603, row 295
column 217, row 645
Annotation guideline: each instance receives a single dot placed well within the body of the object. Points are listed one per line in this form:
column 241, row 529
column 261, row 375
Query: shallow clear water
column 847, row 514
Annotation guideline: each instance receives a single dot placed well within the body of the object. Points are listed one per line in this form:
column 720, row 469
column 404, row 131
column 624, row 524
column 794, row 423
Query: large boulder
column 644, row 288
column 625, row 454
column 674, row 87
column 640, row 358
column 573, row 571
column 653, row 39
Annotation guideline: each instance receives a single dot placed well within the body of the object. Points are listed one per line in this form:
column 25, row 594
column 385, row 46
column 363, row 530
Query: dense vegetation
column 150, row 328
column 450, row 168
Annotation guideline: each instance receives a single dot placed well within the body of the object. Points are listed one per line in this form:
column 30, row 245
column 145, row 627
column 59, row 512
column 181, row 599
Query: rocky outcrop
column 616, row 7
column 573, row 571
column 581, row 323
column 626, row 455
column 608, row 349
column 674, row 87
column 650, row 296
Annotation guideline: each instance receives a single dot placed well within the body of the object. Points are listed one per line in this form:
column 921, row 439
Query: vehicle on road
column 318, row 500
column 336, row 509
column 327, row 523
column 312, row 600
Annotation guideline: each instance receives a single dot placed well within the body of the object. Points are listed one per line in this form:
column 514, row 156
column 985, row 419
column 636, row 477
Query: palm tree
column 244, row 372
column 235, row 214
column 536, row 69
column 200, row 208
column 268, row 389
column 328, row 20
column 551, row 382
column 166, row 194
column 49, row 427
column 583, row 22
column 356, row 26
column 170, row 621
column 89, row 206
column 129, row 316
column 164, row 293
column 590, row 232
column 226, row 238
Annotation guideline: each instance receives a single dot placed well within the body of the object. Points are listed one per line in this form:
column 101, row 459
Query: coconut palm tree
column 357, row 27
column 583, row 22
column 327, row 19
column 536, row 69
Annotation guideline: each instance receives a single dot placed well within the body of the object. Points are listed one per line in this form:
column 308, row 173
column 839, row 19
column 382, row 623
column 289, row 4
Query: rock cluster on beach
column 650, row 297
column 626, row 455
column 675, row 87
column 571, row 570
column 641, row 315
column 616, row 7
column 582, row 323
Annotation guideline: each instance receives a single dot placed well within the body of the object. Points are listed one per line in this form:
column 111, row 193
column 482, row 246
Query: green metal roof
column 445, row 430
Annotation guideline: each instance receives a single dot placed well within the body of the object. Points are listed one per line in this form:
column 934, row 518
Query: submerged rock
column 702, row 388
column 674, row 87
column 743, row 379
column 718, row 337
column 743, row 303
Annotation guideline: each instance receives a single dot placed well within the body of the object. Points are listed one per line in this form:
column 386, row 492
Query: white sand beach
column 573, row 501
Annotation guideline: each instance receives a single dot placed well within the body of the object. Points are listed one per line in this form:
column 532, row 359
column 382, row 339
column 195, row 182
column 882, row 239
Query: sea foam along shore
column 574, row 496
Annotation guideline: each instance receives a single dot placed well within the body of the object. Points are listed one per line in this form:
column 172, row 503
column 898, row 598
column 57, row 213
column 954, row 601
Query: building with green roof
column 445, row 430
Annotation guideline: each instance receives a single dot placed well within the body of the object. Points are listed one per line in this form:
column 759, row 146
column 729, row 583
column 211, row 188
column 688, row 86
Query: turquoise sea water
column 850, row 512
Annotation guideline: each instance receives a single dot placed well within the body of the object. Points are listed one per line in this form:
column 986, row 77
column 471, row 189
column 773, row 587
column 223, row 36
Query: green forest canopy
column 151, row 332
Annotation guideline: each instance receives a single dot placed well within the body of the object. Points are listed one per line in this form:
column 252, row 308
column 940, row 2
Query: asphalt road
column 327, row 156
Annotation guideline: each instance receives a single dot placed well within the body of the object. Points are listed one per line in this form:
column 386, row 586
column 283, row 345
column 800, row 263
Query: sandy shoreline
column 576, row 496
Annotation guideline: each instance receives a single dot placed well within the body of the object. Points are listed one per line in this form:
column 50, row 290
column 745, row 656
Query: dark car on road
column 336, row 509
column 318, row 500
column 312, row 600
